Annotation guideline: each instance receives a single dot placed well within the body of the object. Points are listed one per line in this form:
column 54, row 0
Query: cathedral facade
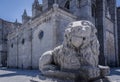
column 25, row 43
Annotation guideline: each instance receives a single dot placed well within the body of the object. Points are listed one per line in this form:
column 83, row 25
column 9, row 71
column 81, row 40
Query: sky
column 11, row 10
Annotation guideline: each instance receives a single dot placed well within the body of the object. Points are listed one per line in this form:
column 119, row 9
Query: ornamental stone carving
column 77, row 57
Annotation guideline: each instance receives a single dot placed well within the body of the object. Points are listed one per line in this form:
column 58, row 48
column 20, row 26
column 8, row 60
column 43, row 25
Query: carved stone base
column 48, row 79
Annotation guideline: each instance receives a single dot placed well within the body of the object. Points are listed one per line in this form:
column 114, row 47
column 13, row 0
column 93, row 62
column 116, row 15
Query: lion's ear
column 67, row 32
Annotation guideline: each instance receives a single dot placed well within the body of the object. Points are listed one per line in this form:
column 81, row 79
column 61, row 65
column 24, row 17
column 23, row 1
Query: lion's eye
column 65, row 35
column 79, row 29
column 83, row 38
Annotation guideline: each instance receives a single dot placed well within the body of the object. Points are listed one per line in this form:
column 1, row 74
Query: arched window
column 23, row 41
column 67, row 4
column 93, row 10
column 12, row 45
column 41, row 34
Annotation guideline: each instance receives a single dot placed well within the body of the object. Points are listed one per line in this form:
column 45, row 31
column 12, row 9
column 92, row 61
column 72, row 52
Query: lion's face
column 79, row 31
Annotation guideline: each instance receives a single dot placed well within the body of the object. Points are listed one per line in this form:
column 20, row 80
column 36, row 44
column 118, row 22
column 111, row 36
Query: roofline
column 51, row 11
column 8, row 21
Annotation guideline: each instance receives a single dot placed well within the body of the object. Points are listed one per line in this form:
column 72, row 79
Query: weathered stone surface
column 106, row 79
column 77, row 57
column 52, row 17
column 34, row 46
column 118, row 27
column 104, row 70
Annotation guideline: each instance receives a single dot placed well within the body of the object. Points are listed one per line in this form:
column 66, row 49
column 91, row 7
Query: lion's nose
column 83, row 29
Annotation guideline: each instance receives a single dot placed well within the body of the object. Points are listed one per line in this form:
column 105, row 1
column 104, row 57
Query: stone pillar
column 55, row 24
column 31, row 39
column 100, row 14
column 114, row 18
column 118, row 26
column 17, row 51
column 0, row 40
column 0, row 61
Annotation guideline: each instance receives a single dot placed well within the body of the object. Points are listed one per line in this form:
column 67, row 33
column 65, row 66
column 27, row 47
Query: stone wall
column 110, row 43
column 107, row 32
column 53, row 31
column 45, row 31
column 113, row 13
column 5, row 28
column 12, row 46
column 37, row 36
column 43, row 40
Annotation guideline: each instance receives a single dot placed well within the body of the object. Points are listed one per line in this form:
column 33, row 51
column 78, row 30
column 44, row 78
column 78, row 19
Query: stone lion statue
column 77, row 57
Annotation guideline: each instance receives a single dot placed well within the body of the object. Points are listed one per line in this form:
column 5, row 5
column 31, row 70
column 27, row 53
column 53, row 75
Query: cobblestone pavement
column 19, row 75
column 115, row 74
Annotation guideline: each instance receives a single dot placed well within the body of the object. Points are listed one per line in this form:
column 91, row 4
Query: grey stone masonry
column 118, row 25
column 5, row 28
column 105, row 20
column 37, row 36
column 44, row 30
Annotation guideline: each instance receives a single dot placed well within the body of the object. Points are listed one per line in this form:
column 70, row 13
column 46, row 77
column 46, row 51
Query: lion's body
column 68, row 58
column 65, row 58
column 79, row 52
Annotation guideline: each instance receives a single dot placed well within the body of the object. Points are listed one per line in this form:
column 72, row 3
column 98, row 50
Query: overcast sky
column 13, row 9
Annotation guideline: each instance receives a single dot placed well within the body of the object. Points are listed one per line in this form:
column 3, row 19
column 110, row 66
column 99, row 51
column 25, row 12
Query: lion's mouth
column 77, row 41
column 79, row 37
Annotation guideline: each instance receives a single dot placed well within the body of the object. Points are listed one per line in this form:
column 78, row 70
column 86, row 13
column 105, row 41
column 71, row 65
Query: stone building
column 5, row 28
column 44, row 30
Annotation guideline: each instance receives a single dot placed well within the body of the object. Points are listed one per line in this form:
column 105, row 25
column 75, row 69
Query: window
column 93, row 10
column 23, row 41
column 67, row 4
column 12, row 45
column 41, row 34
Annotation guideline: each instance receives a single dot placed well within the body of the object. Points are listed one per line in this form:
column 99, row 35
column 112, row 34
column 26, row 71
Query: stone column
column 55, row 24
column 0, row 40
column 100, row 14
column 0, row 61
column 118, row 26
column 114, row 19
column 17, row 51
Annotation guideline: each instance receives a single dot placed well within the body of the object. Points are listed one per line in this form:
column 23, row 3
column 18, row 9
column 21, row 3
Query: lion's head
column 80, row 34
